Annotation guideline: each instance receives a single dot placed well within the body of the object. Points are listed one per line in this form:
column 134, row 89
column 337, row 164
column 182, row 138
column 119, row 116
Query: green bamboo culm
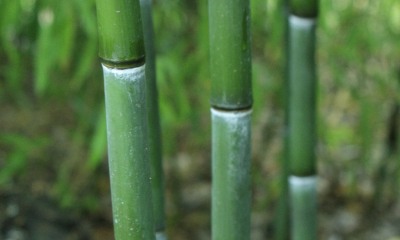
column 301, row 119
column 157, row 177
column 231, row 102
column 230, row 58
column 123, row 56
column 281, row 228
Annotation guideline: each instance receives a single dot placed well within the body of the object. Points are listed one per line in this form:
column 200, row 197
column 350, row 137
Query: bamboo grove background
column 53, row 131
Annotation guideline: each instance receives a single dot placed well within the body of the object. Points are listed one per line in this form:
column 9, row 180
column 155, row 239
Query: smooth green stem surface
column 281, row 230
column 128, row 153
column 304, row 8
column 157, row 176
column 302, row 97
column 230, row 54
column 120, row 33
column 231, row 183
column 304, row 207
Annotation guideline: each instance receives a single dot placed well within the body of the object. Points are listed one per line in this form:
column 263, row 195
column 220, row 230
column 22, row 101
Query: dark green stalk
column 302, row 129
column 120, row 33
column 230, row 54
column 302, row 96
column 231, row 101
column 282, row 212
column 123, row 54
column 157, row 176
column 304, row 8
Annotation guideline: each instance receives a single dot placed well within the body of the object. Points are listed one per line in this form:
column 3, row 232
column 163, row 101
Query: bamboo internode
column 231, row 164
column 157, row 176
column 302, row 85
column 121, row 40
column 230, row 54
column 128, row 155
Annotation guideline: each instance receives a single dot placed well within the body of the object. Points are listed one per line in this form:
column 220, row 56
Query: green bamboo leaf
column 65, row 33
column 98, row 144
column 22, row 149
column 9, row 25
column 45, row 51
column 85, row 64
column 16, row 163
column 87, row 17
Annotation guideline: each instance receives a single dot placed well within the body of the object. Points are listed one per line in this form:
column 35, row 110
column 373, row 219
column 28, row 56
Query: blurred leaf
column 65, row 34
column 22, row 149
column 98, row 143
column 85, row 64
column 16, row 162
column 46, row 51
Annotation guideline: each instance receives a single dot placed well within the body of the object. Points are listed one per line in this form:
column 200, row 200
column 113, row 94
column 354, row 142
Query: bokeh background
column 53, row 162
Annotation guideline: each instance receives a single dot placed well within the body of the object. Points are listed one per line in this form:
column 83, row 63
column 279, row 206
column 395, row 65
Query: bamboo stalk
column 231, row 164
column 230, row 54
column 282, row 213
column 302, row 137
column 123, row 55
column 157, row 176
column 231, row 101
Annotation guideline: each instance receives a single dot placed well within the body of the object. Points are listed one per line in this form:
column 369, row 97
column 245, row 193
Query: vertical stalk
column 302, row 136
column 231, row 102
column 123, row 57
column 157, row 176
column 282, row 212
column 231, row 163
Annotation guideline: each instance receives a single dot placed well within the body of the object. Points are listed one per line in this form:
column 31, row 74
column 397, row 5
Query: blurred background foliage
column 53, row 131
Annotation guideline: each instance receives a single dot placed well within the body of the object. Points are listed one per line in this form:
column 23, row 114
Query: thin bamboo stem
column 282, row 213
column 157, row 176
column 302, row 84
column 302, row 130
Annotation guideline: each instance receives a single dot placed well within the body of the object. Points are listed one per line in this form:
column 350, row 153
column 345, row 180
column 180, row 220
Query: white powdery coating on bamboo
column 304, row 183
column 302, row 22
column 161, row 236
column 231, row 115
column 128, row 74
column 234, row 129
